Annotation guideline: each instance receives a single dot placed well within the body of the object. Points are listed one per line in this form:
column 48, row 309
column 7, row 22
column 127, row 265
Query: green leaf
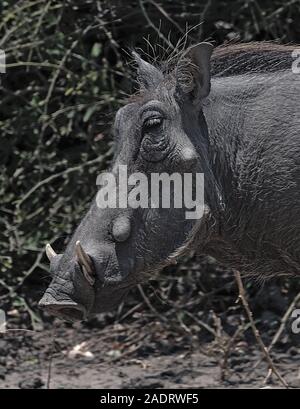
column 89, row 113
column 96, row 50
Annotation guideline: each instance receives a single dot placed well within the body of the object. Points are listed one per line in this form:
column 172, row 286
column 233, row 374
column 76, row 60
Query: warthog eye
column 152, row 123
column 155, row 141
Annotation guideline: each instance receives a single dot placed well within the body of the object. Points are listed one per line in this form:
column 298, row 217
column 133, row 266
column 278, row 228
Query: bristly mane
column 255, row 57
column 228, row 60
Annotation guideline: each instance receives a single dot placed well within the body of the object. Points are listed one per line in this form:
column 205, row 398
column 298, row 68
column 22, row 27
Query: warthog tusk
column 85, row 263
column 50, row 252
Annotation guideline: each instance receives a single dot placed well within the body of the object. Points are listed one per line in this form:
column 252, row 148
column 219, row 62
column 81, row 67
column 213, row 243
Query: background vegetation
column 68, row 71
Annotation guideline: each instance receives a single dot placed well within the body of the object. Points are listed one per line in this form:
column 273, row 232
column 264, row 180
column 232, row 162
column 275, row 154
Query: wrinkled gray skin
column 244, row 136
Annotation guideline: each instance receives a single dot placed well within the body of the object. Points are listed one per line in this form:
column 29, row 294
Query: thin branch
column 148, row 303
column 203, row 17
column 241, row 328
column 151, row 24
column 31, row 270
column 282, row 325
column 36, row 64
column 283, row 321
column 50, row 362
column 166, row 15
column 62, row 173
column 243, row 298
column 38, row 26
column 202, row 324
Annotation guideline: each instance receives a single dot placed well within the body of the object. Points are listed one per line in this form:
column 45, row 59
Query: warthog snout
column 68, row 310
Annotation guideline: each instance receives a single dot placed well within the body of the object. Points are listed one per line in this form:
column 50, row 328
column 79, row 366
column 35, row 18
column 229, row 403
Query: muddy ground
column 185, row 330
column 128, row 356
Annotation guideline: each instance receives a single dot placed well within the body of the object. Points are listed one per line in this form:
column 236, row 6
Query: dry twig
column 243, row 298
column 230, row 344
column 50, row 362
column 282, row 326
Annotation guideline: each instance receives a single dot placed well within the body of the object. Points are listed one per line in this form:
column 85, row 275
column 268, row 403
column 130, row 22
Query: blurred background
column 68, row 71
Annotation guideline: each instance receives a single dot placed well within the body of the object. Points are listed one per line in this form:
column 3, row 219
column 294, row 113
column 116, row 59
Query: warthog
column 231, row 114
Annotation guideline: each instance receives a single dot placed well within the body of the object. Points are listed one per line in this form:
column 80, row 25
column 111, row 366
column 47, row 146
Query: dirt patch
column 185, row 330
column 127, row 356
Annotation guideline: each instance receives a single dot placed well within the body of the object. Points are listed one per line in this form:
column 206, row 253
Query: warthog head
column 162, row 129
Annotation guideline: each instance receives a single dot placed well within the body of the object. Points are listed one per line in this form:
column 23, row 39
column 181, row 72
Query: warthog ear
column 193, row 71
column 148, row 75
